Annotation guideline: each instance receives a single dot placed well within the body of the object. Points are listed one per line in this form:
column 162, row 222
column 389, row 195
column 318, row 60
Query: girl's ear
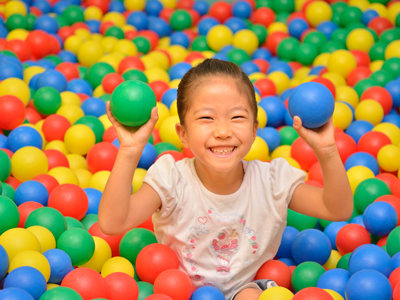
column 255, row 129
column 180, row 130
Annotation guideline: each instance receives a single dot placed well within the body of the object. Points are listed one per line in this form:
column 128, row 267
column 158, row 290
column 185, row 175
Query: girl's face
column 219, row 125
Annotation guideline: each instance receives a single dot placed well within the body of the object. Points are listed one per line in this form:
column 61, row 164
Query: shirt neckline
column 218, row 196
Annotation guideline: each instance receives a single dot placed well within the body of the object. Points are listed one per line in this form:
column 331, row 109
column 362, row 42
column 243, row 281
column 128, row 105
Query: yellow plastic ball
column 99, row 180
column 302, row 72
column 342, row 62
column 261, row 117
column 158, row 58
column 83, row 34
column 164, row 43
column 108, row 42
column 71, row 112
column 125, row 47
column 335, row 78
column 174, row 83
column 322, row 59
column 173, row 109
column 318, row 12
column 15, row 7
column 219, row 36
column 138, row 179
column 335, row 295
column 163, row 113
column 333, row 260
column 113, row 59
column 361, row 4
column 102, row 253
column 117, row 264
column 15, row 87
column 295, row 82
column 150, row 63
column 99, row 91
column 168, row 133
column 155, row 74
column 357, row 175
column 73, row 43
column 105, row 121
column 83, row 176
column 97, row 37
column 115, row 17
column 52, row 286
column 391, row 130
column 177, row 53
column 168, row 3
column 76, row 161
column 277, row 27
column 17, row 34
column 89, row 53
column 134, row 4
column 259, row 150
column 32, row 71
column 389, row 158
column 360, row 39
column 30, row 258
column 308, row 78
column 347, row 94
column 27, row 162
column 281, row 151
column 380, row 9
column 57, row 145
column 208, row 53
column 257, row 75
column 45, row 237
column 342, row 115
column 93, row 13
column 79, row 139
column 258, row 98
column 369, row 110
column 64, row 175
column 376, row 65
column 393, row 11
column 68, row 97
column 247, row 40
column 281, row 81
column 16, row 240
column 392, row 50
column 276, row 293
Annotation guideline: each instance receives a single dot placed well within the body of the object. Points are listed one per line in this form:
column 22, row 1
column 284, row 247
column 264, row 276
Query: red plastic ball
column 35, row 11
column 9, row 152
column 166, row 14
column 121, row 286
column 56, row 159
column 3, row 43
column 55, row 45
column 266, row 87
column 14, row 182
column 70, row 200
column 130, row 34
column 104, row 26
column 101, row 157
column 156, row 136
column 148, row 224
column 32, row 115
column 274, row 39
column 346, row 145
column 48, row 181
column 80, row 25
column 185, row 4
column 394, row 201
column 159, row 88
column 69, row 70
column 102, row 4
column 262, row 64
column 382, row 241
column 276, row 271
column 12, row 112
column 297, row 15
column 173, row 283
column 54, row 127
column 158, row 297
column 65, row 32
column 380, row 24
column 187, row 153
column 112, row 241
column 109, row 135
column 25, row 209
column 327, row 83
column 358, row 74
column 111, row 81
column 154, row 259
column 221, row 11
column 264, row 16
column 396, row 292
column 315, row 173
column 193, row 56
column 151, row 36
column 130, row 62
column 362, row 58
column 83, row 97
column 195, row 16
column 394, row 188
column 19, row 48
column 381, row 95
column 39, row 43
column 312, row 293
column 371, row 142
column 314, row 183
column 177, row 156
column 350, row 237
column 394, row 277
column 87, row 282
column 303, row 154
column 389, row 179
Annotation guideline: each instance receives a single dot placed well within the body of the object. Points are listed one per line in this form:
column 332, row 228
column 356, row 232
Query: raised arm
column 335, row 201
column 119, row 211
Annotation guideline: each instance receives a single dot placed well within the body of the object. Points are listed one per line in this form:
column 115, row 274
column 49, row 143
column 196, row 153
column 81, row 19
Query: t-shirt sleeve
column 163, row 176
column 284, row 179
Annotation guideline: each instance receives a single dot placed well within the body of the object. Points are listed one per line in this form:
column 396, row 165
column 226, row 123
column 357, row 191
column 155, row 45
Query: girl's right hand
column 133, row 138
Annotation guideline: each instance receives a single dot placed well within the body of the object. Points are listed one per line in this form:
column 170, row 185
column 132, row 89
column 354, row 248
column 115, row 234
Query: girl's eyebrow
column 213, row 110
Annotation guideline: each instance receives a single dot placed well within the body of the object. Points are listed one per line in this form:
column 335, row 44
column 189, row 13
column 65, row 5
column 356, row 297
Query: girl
column 223, row 216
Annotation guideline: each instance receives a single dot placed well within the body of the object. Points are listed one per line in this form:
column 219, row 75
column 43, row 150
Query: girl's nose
column 222, row 131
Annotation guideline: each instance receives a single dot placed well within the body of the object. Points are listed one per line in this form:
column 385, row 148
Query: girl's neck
column 220, row 183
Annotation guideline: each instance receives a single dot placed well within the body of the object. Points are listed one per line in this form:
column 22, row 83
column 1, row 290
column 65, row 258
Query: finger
column 109, row 113
column 154, row 117
column 298, row 126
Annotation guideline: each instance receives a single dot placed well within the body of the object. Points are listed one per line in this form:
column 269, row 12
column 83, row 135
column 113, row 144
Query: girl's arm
column 335, row 201
column 119, row 211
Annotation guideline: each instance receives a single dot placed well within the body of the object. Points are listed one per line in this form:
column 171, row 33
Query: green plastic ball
column 397, row 21
column 73, row 14
column 364, row 84
column 142, row 44
column 16, row 21
column 8, row 191
column 377, row 51
column 132, row 102
column 88, row 220
column 134, row 241
column 164, row 146
column 316, row 38
column 180, row 20
column 9, row 214
column 54, row 58
column 145, row 290
column 306, row 275
column 238, row 56
column 286, row 6
column 83, row 72
column 200, row 44
column 5, row 163
column 393, row 242
column 61, row 21
column 49, row 218
column 331, row 47
column 350, row 15
column 287, row 48
column 339, row 7
column 300, row 221
column 30, row 22
column 78, row 244
column 105, row 97
column 61, row 293
column 392, row 65
column 135, row 74
column 340, row 35
column 355, row 25
column 96, row 73
column 324, row 223
column 282, row 17
column 261, row 32
column 336, row 18
column 389, row 36
column 288, row 135
column 73, row 223
column 95, row 124
column 306, row 54
column 47, row 100
column 265, row 3
column 382, row 77
column 115, row 31
column 343, row 262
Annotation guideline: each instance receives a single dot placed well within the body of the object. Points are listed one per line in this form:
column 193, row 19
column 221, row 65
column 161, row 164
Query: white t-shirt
column 222, row 240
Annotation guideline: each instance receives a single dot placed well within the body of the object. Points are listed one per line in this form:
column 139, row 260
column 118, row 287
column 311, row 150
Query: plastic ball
column 32, row 259
column 380, row 218
column 117, row 264
column 113, row 241
column 369, row 110
column 245, row 39
column 207, row 292
column 31, row 191
column 54, row 127
column 259, row 150
column 368, row 191
column 362, row 285
column 60, row 264
column 357, row 174
column 121, row 286
column 335, row 279
column 275, row 110
column 350, row 237
column 102, row 253
column 79, row 139
column 342, row 115
column 61, row 293
column 362, row 159
column 134, row 241
column 306, row 275
column 12, row 112
column 360, row 39
column 341, row 62
column 12, row 293
column 318, row 12
column 78, row 244
column 9, row 213
column 168, row 133
column 311, row 97
column 219, row 36
column 279, row 293
column 28, row 162
column 174, row 283
column 24, row 136
column 275, row 270
column 358, row 129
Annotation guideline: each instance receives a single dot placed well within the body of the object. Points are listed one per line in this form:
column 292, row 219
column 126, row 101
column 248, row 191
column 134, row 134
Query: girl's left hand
column 321, row 140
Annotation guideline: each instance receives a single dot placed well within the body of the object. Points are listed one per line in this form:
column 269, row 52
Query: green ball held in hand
column 61, row 293
column 132, row 102
column 78, row 244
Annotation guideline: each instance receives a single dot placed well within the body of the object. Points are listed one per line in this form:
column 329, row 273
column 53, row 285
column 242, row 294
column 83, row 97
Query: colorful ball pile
column 61, row 61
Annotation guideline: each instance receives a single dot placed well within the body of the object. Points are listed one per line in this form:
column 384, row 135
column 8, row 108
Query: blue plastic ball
column 335, row 280
column 94, row 107
column 15, row 294
column 285, row 248
column 288, row 261
column 241, row 9
column 358, row 128
column 207, row 293
column 327, row 28
column 370, row 257
column 396, row 260
column 28, row 279
column 60, row 264
column 249, row 68
column 80, row 86
column 3, row 32
column 358, row 220
column 94, row 197
column 297, row 27
column 311, row 245
column 31, row 190
column 288, row 119
column 46, row 23
column 116, row 6
column 4, row 262
column 52, row 78
column 206, row 24
column 362, row 159
column 46, row 64
column 148, row 157
column 59, row 7
column 380, row 218
column 313, row 103
column 368, row 285
column 67, row 56
column 282, row 67
column 179, row 38
column 169, row 96
column 275, row 110
column 235, row 24
column 94, row 26
column 178, row 70
column 331, row 231
column 116, row 143
column 3, row 141
column 392, row 118
column 286, row 93
column 32, row 82
column 368, row 15
column 201, row 7
column 262, row 54
column 271, row 136
column 161, row 27
column 226, row 49
column 138, row 19
column 24, row 136
column 43, row 5
column 8, row 70
column 153, row 7
column 393, row 87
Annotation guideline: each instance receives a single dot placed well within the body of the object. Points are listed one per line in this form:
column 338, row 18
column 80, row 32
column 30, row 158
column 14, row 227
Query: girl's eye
column 206, row 118
column 238, row 117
